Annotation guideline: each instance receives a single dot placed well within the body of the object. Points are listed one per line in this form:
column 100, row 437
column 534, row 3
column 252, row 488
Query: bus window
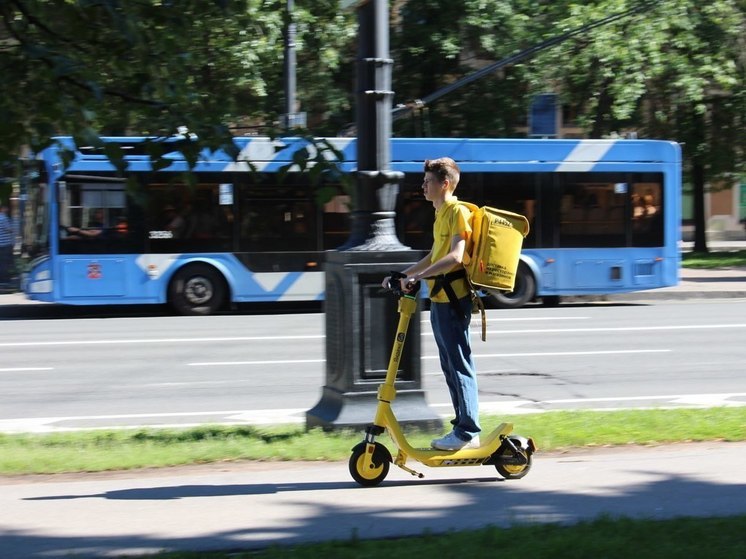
column 514, row 192
column 277, row 214
column 189, row 219
column 646, row 214
column 336, row 218
column 414, row 215
column 592, row 210
column 94, row 218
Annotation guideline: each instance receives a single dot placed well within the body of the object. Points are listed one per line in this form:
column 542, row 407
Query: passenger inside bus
column 93, row 229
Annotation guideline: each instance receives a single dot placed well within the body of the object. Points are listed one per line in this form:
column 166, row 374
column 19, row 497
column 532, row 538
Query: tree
column 675, row 69
column 106, row 67
column 435, row 43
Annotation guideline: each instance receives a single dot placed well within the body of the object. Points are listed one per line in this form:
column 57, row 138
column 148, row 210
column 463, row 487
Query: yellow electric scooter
column 369, row 464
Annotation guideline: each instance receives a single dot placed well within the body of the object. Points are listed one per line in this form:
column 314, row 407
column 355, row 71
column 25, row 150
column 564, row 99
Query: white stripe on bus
column 585, row 155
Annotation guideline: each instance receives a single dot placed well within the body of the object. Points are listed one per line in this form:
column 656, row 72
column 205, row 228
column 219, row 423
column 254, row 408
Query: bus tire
column 524, row 291
column 197, row 289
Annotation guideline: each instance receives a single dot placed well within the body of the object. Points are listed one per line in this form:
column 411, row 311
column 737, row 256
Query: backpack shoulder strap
column 471, row 207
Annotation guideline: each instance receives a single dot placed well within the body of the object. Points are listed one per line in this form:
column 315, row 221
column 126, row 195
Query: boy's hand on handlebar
column 408, row 284
column 401, row 284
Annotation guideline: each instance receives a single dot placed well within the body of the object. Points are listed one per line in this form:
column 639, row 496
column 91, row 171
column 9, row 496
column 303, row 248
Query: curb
column 676, row 295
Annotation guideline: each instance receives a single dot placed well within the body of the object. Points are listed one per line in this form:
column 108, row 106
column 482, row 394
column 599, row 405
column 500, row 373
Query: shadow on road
column 371, row 513
column 190, row 491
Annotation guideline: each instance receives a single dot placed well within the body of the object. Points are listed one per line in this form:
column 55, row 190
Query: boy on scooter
column 450, row 296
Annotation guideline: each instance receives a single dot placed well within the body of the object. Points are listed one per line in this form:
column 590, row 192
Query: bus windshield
column 35, row 214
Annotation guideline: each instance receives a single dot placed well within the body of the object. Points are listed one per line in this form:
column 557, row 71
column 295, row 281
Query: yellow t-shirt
column 451, row 219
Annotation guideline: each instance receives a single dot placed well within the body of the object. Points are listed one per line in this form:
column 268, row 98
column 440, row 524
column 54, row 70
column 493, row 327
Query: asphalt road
column 243, row 506
column 155, row 370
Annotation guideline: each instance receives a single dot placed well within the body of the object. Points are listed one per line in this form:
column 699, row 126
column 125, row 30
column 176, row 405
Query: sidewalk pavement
column 243, row 506
column 721, row 283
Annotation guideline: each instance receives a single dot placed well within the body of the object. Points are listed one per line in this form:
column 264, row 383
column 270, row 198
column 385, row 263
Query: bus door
column 94, row 234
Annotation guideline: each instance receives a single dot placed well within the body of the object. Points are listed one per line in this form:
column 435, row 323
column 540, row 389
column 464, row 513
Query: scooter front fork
column 371, row 432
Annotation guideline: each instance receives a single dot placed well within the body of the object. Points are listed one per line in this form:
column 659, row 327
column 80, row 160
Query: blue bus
column 605, row 218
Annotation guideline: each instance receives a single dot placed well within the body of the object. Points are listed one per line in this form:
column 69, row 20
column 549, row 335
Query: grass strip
column 606, row 537
column 93, row 451
column 721, row 259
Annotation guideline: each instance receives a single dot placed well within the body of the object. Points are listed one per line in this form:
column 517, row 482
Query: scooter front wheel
column 372, row 476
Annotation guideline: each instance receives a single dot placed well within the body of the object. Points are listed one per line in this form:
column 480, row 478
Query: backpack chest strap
column 443, row 282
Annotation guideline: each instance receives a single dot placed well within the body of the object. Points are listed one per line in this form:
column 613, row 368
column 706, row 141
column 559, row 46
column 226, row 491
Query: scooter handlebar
column 394, row 285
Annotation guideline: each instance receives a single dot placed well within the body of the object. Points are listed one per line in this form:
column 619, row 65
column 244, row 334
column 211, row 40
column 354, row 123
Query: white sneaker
column 452, row 442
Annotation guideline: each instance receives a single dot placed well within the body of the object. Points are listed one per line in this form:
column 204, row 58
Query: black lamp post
column 361, row 320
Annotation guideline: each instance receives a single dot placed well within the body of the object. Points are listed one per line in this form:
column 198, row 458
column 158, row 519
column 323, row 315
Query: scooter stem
column 407, row 307
column 387, row 390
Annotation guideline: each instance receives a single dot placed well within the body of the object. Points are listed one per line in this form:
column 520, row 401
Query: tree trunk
column 698, row 183
column 603, row 109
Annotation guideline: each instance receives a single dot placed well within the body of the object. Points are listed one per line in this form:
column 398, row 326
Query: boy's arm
column 441, row 266
column 413, row 269
column 418, row 266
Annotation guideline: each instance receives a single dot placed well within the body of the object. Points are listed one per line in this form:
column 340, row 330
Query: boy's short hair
column 444, row 168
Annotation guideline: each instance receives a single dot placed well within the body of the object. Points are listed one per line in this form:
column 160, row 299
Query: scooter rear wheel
column 514, row 471
column 373, row 476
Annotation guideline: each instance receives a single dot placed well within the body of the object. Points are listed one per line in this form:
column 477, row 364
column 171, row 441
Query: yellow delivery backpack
column 491, row 258
column 492, row 255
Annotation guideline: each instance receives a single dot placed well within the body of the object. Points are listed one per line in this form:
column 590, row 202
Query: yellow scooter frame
column 369, row 464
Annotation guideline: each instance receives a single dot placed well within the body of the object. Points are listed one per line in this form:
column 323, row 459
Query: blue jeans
column 454, row 346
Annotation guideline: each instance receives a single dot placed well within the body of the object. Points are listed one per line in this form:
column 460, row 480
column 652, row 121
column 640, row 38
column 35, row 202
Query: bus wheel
column 524, row 291
column 197, row 289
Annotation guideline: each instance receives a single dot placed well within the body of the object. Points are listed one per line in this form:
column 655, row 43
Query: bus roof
column 407, row 154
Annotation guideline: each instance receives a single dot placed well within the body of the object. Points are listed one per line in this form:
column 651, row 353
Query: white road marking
column 564, row 353
column 673, row 397
column 25, row 369
column 297, row 415
column 321, row 336
column 272, row 362
column 619, row 329
column 478, row 356
column 555, row 354
column 523, row 319
column 160, row 341
column 49, row 424
column 315, row 361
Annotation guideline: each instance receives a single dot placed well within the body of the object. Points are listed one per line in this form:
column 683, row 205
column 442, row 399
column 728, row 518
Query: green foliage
column 675, row 69
column 148, row 68
column 435, row 43
column 669, row 69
